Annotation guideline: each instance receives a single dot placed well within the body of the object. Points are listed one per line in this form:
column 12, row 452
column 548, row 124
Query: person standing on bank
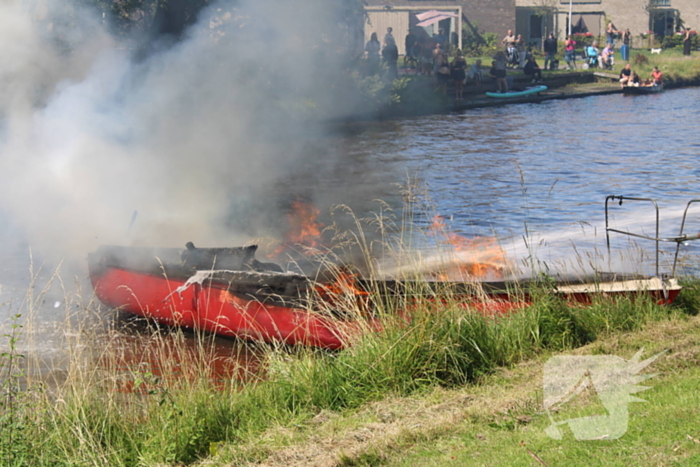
column 475, row 73
column 520, row 47
column 443, row 72
column 373, row 47
column 459, row 72
column 437, row 53
column 570, row 53
column 610, row 33
column 686, row 43
column 498, row 71
column 390, row 54
column 441, row 39
column 625, row 49
column 389, row 37
column 410, row 44
column 550, row 50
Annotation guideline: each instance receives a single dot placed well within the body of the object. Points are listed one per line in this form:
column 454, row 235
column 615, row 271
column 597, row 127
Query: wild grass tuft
column 689, row 298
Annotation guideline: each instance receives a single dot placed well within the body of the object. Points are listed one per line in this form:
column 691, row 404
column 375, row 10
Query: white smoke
column 91, row 132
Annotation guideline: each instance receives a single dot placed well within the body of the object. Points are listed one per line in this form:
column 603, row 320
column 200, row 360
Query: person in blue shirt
column 593, row 54
column 441, row 39
column 625, row 49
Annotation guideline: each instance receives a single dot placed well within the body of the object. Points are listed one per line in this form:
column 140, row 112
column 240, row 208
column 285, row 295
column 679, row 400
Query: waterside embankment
column 419, row 95
column 421, row 98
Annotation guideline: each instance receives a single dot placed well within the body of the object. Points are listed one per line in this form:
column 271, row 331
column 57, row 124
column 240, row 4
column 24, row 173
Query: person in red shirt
column 570, row 53
column 657, row 76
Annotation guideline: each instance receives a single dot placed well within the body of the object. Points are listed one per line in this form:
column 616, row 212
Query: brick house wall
column 639, row 16
column 496, row 16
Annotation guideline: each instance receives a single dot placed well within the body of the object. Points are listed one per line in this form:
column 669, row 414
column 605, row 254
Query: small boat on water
column 515, row 93
column 229, row 292
column 635, row 90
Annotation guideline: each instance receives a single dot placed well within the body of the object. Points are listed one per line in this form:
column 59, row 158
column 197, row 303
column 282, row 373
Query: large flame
column 304, row 228
column 478, row 257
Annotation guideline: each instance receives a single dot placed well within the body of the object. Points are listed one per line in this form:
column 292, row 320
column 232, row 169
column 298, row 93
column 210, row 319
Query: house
column 477, row 16
column 536, row 18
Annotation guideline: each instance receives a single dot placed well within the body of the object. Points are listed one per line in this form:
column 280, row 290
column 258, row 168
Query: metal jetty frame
column 678, row 239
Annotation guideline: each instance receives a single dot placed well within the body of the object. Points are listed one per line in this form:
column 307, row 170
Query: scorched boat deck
column 228, row 292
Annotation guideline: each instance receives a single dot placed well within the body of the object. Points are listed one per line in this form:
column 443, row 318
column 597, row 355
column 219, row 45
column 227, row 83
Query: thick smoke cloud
column 92, row 130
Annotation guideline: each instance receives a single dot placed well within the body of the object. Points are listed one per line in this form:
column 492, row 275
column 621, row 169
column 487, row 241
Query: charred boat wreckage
column 229, row 292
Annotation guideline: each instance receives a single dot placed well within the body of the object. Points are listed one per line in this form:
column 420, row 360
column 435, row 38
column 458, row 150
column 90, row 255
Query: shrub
column 676, row 40
column 584, row 39
column 478, row 45
column 640, row 59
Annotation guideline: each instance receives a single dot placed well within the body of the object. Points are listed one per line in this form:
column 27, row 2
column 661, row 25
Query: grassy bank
column 170, row 412
column 500, row 420
column 418, row 95
column 672, row 62
column 678, row 69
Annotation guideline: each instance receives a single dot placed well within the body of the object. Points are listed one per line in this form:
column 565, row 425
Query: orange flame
column 343, row 286
column 484, row 258
column 304, row 229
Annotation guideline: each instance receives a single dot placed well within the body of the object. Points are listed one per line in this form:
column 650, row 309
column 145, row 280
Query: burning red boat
column 221, row 290
column 228, row 292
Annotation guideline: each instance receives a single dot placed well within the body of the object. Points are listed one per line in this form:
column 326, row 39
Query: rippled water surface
column 511, row 170
column 547, row 164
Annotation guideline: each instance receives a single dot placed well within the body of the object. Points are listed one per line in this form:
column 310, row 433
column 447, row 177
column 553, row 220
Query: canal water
column 534, row 176
column 530, row 174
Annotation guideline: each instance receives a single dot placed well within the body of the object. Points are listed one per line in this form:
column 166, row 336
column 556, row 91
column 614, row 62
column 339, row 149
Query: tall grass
column 91, row 420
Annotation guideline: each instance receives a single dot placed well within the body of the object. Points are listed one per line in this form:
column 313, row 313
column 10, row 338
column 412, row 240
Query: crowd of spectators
column 430, row 55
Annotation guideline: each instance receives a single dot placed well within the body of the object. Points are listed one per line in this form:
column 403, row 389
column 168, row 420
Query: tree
column 172, row 17
column 158, row 17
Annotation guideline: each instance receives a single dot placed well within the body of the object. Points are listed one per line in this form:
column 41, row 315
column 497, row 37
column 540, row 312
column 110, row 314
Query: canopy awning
column 433, row 16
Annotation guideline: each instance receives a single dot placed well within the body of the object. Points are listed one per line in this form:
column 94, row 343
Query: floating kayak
column 525, row 92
